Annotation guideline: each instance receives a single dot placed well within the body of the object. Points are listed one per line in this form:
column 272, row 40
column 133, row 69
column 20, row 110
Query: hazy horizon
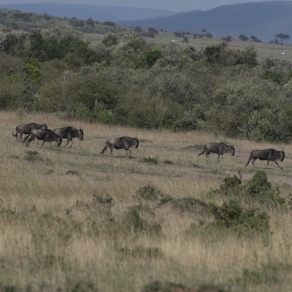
column 167, row 5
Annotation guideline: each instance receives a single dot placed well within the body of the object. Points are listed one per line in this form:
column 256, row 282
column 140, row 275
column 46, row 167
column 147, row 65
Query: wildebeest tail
column 137, row 143
column 104, row 148
column 249, row 159
column 203, row 151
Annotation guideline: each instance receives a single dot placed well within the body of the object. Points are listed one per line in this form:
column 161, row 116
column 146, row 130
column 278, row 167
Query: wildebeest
column 69, row 133
column 121, row 143
column 27, row 128
column 219, row 148
column 47, row 136
column 266, row 154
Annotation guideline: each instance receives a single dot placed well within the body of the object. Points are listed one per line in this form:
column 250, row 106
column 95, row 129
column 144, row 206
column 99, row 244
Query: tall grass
column 71, row 221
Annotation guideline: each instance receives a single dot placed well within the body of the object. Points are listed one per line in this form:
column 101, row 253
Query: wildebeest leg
column 129, row 152
column 71, row 143
column 202, row 152
column 207, row 157
column 278, row 164
column 25, row 138
column 104, row 149
column 43, row 143
column 249, row 159
column 253, row 160
column 67, row 142
column 31, row 137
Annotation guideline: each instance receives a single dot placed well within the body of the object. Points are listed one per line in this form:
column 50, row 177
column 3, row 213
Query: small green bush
column 257, row 190
column 32, row 156
column 231, row 215
column 133, row 222
column 150, row 160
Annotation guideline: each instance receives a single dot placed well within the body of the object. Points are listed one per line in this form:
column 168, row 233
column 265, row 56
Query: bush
column 257, row 190
column 133, row 222
column 32, row 156
column 151, row 160
column 231, row 215
column 261, row 190
column 151, row 56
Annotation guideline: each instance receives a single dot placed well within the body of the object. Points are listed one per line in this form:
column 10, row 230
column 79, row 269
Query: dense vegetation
column 126, row 80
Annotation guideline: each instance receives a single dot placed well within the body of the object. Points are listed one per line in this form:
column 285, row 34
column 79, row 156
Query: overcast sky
column 169, row 5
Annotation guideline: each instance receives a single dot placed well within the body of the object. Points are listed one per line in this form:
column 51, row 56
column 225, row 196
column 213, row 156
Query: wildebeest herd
column 41, row 132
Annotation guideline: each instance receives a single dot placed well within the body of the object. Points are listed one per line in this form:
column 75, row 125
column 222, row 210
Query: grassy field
column 72, row 220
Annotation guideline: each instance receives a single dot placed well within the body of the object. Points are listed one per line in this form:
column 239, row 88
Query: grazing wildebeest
column 121, row 143
column 219, row 148
column 47, row 136
column 266, row 154
column 27, row 128
column 69, row 133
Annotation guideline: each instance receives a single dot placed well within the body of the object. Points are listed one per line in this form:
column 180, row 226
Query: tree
column 255, row 39
column 282, row 37
column 243, row 37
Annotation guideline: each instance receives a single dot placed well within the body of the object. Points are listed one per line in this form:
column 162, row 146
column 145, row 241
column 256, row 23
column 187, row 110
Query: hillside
column 259, row 20
column 263, row 20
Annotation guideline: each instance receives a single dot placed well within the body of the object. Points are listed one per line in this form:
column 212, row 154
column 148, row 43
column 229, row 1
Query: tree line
column 126, row 80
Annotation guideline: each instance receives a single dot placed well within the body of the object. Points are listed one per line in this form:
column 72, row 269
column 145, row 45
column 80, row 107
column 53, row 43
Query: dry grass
column 53, row 235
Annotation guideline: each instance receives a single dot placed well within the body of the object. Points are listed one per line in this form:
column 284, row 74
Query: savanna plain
column 74, row 220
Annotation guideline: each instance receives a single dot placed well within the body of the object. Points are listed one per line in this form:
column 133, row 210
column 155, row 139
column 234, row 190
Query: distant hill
column 264, row 20
column 98, row 13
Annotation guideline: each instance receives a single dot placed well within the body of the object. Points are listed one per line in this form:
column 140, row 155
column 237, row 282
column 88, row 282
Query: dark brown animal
column 266, row 154
column 26, row 129
column 69, row 133
column 219, row 148
column 46, row 136
column 121, row 143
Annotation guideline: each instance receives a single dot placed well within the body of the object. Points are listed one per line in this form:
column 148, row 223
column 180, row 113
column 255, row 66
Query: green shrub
column 148, row 192
column 261, row 190
column 110, row 40
column 257, row 190
column 150, row 160
column 190, row 205
column 151, row 56
column 33, row 156
column 133, row 222
column 231, row 215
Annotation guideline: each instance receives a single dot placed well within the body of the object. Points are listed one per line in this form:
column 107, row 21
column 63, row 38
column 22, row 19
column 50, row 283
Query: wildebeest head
column 232, row 150
column 137, row 142
column 81, row 134
column 283, row 155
